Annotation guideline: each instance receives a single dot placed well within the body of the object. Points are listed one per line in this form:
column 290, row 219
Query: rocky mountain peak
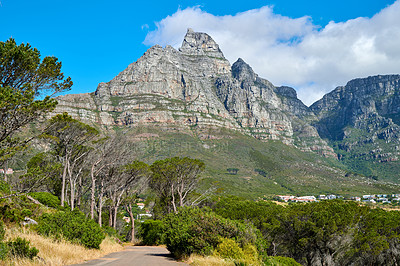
column 199, row 43
column 286, row 91
column 242, row 71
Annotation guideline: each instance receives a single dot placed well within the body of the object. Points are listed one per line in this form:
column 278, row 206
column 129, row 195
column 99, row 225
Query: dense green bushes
column 20, row 248
column 151, row 232
column 320, row 233
column 73, row 226
column 47, row 199
column 17, row 248
column 193, row 230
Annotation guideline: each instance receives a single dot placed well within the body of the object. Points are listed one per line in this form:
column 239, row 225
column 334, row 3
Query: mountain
column 195, row 87
column 361, row 120
column 192, row 102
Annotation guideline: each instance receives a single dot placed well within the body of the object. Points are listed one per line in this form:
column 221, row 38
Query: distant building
column 368, row 196
column 140, row 205
column 9, row 171
column 356, row 198
column 286, row 198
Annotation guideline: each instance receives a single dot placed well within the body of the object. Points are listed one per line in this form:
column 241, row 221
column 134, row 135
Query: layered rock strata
column 195, row 88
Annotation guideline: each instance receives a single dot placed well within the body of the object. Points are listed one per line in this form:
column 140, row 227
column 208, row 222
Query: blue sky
column 95, row 40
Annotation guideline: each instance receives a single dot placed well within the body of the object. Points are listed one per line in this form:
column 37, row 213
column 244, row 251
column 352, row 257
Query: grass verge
column 57, row 252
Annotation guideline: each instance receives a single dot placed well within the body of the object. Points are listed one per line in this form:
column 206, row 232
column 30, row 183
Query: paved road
column 138, row 255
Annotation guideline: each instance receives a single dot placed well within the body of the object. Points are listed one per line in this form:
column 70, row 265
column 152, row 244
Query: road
column 137, row 255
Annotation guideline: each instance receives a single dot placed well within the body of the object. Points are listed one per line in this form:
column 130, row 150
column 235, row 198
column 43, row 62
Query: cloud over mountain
column 294, row 51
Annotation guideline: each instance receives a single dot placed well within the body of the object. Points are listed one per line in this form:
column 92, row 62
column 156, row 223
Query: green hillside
column 265, row 168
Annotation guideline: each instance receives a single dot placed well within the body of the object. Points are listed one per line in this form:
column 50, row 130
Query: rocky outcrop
column 363, row 118
column 193, row 89
column 268, row 112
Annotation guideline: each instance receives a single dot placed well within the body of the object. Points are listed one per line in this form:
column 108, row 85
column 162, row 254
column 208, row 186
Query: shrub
column 20, row 248
column 151, row 232
column 74, row 226
column 197, row 231
column 229, row 249
column 2, row 231
column 4, row 187
column 280, row 261
column 10, row 215
column 3, row 251
column 47, row 199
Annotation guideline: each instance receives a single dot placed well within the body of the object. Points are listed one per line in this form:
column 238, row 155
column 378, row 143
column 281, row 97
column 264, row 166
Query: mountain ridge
column 195, row 90
column 196, row 87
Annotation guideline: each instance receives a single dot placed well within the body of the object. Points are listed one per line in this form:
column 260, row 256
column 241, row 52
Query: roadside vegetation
column 78, row 192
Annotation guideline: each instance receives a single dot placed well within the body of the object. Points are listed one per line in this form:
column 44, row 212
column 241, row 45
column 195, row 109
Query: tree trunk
column 101, row 202
column 92, row 195
column 64, row 174
column 72, row 193
column 130, row 211
column 173, row 199
column 110, row 221
column 79, row 193
column 115, row 217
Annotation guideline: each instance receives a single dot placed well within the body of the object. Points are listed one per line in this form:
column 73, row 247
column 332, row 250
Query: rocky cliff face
column 362, row 118
column 196, row 89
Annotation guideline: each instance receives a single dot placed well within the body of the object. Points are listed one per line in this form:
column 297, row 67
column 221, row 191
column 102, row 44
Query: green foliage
column 151, row 232
column 4, row 188
column 47, row 199
column 73, row 226
column 232, row 171
column 193, row 230
column 110, row 231
column 318, row 233
column 10, row 214
column 3, row 250
column 229, row 249
column 173, row 179
column 2, row 231
column 23, row 77
column 43, row 173
column 280, row 261
column 20, row 248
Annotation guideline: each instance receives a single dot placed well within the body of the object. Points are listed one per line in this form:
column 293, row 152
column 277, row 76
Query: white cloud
column 296, row 52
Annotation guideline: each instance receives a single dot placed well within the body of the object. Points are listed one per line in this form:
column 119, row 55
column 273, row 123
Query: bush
column 2, row 231
column 47, row 199
column 151, row 232
column 4, row 188
column 229, row 249
column 197, row 231
column 3, row 251
column 280, row 261
column 111, row 232
column 72, row 225
column 20, row 248
column 10, row 214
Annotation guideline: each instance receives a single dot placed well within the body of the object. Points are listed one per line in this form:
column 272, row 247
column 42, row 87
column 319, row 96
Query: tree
column 24, row 77
column 139, row 172
column 175, row 178
column 129, row 179
column 69, row 137
column 232, row 171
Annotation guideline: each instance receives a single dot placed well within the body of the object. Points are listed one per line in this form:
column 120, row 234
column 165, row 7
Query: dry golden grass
column 58, row 252
column 197, row 260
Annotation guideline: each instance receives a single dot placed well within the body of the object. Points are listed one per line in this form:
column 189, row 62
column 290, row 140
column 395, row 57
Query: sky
column 311, row 45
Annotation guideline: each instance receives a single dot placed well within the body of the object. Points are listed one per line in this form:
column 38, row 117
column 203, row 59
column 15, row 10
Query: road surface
column 137, row 255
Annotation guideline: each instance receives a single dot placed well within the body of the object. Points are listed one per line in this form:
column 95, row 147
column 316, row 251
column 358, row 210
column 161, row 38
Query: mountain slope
column 361, row 120
column 196, row 87
column 192, row 102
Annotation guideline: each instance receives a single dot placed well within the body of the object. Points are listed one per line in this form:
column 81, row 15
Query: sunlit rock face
column 363, row 118
column 195, row 88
